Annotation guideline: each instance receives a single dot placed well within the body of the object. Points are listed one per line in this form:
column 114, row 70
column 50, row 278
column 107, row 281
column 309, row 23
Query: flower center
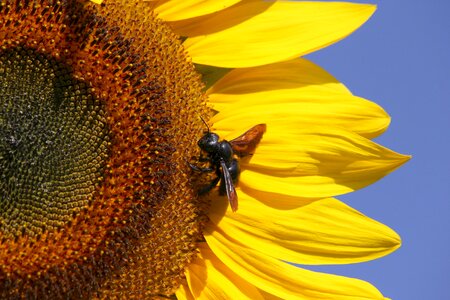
column 99, row 111
column 53, row 143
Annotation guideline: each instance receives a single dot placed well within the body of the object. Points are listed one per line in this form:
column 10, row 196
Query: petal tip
column 405, row 158
column 396, row 241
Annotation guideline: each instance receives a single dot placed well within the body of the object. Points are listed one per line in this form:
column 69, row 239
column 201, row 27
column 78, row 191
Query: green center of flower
column 53, row 143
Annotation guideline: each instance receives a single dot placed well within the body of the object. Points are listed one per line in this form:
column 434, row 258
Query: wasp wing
column 246, row 143
column 229, row 186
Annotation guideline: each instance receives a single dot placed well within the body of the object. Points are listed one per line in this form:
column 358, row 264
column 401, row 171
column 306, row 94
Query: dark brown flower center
column 53, row 143
column 99, row 109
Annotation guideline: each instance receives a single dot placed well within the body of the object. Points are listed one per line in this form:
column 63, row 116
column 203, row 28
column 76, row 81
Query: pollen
column 99, row 110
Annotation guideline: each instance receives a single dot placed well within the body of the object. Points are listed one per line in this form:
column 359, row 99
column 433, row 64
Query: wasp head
column 209, row 142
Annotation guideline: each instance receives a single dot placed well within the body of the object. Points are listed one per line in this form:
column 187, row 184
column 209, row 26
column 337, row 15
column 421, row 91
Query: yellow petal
column 180, row 10
column 209, row 278
column 291, row 110
column 325, row 231
column 316, row 162
column 267, row 296
column 221, row 20
column 284, row 280
column 97, row 1
column 285, row 30
column 291, row 94
column 292, row 74
column 184, row 293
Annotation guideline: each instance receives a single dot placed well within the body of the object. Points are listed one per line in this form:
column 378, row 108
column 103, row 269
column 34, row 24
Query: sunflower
column 101, row 110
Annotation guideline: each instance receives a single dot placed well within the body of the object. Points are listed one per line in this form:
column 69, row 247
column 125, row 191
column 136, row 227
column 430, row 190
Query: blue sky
column 401, row 59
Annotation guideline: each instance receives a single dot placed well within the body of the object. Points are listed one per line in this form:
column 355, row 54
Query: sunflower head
column 101, row 109
column 94, row 106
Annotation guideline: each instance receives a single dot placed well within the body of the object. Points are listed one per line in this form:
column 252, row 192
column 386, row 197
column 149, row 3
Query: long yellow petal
column 97, row 1
column 316, row 162
column 209, row 278
column 180, row 10
column 291, row 94
column 285, row 30
column 221, row 20
column 292, row 110
column 184, row 293
column 268, row 296
column 284, row 280
column 297, row 73
column 325, row 231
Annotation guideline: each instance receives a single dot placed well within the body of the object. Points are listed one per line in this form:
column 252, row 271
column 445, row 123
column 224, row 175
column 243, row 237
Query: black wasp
column 222, row 158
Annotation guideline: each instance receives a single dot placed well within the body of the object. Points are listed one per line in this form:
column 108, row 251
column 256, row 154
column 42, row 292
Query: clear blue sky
column 401, row 60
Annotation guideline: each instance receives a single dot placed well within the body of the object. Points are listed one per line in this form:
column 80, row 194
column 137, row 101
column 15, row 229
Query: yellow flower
column 316, row 147
column 100, row 111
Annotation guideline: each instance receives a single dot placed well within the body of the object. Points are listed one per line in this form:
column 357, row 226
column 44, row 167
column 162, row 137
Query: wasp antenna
column 206, row 124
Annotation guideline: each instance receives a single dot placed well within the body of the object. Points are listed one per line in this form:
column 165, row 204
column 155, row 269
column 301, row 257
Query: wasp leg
column 200, row 158
column 203, row 159
column 209, row 187
column 201, row 170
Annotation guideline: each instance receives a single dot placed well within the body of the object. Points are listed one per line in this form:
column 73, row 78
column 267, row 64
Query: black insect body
column 222, row 157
